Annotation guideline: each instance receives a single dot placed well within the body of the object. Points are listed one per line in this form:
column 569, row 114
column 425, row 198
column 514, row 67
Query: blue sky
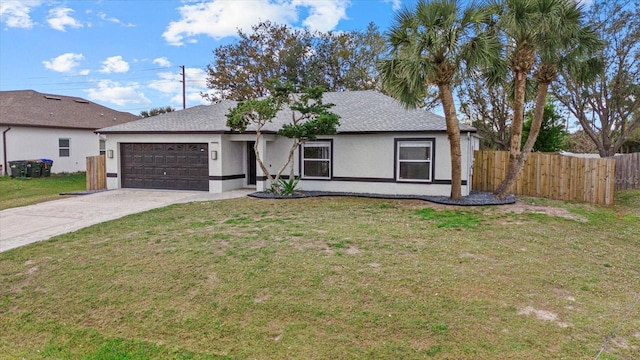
column 126, row 54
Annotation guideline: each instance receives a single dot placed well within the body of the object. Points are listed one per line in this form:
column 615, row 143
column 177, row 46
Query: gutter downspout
column 5, row 170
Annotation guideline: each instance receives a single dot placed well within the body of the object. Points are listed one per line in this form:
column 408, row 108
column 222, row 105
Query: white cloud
column 397, row 4
column 162, row 61
column 115, row 93
column 323, row 15
column 64, row 63
column 84, row 72
column 192, row 97
column 219, row 19
column 59, row 18
column 196, row 77
column 15, row 13
column 114, row 64
column 114, row 20
column 168, row 82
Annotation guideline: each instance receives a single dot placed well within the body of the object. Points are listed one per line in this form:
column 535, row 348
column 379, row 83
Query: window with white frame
column 316, row 160
column 103, row 147
column 414, row 160
column 64, row 147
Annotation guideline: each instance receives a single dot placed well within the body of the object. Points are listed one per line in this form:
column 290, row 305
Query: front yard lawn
column 331, row 278
column 16, row 192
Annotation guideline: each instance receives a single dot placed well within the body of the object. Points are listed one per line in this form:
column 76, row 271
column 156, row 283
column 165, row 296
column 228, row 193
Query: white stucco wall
column 232, row 158
column 361, row 163
column 277, row 153
column 372, row 159
column 24, row 143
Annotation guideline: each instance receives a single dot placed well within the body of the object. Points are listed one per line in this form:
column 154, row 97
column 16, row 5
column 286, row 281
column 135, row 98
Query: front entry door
column 251, row 163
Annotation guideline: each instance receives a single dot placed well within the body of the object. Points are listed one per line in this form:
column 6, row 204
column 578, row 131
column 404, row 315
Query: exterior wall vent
column 52, row 97
column 81, row 101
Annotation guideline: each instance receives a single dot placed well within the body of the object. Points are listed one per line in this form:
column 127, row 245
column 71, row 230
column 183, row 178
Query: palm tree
column 428, row 47
column 540, row 36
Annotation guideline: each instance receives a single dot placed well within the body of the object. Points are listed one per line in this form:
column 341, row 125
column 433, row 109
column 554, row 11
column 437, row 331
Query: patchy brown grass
column 330, row 278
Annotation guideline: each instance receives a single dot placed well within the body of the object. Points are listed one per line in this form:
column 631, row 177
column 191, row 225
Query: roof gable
column 31, row 108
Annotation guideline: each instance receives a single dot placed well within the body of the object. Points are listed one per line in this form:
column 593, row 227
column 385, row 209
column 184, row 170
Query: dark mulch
column 474, row 199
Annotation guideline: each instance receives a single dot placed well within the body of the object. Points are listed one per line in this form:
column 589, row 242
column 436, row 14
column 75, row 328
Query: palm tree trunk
column 453, row 132
column 536, row 124
column 516, row 136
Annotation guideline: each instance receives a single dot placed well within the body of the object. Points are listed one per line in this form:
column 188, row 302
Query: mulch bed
column 475, row 198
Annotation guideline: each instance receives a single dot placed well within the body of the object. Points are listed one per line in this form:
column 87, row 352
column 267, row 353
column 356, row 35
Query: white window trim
column 414, row 143
column 320, row 143
column 68, row 148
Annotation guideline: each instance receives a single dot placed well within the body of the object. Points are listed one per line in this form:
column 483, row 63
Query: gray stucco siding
column 363, row 163
column 367, row 163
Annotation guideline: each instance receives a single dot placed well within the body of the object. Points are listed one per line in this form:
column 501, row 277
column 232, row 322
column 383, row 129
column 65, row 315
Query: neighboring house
column 60, row 128
column 380, row 148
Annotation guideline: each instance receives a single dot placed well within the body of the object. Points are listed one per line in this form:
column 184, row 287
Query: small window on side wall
column 103, row 147
column 414, row 160
column 64, row 147
column 316, row 160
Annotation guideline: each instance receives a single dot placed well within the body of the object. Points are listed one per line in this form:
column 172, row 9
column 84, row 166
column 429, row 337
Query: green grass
column 16, row 192
column 329, row 278
column 450, row 218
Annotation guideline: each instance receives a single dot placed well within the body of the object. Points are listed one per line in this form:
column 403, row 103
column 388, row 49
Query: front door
column 251, row 163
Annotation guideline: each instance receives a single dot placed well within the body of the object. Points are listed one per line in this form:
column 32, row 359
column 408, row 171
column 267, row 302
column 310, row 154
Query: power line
column 120, row 75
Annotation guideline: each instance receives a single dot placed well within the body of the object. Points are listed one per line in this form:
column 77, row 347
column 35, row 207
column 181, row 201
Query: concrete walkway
column 28, row 224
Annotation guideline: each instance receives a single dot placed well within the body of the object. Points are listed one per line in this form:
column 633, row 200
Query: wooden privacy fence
column 627, row 171
column 549, row 176
column 96, row 172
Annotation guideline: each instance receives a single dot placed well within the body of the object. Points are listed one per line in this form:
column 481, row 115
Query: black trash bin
column 18, row 168
column 34, row 168
column 46, row 167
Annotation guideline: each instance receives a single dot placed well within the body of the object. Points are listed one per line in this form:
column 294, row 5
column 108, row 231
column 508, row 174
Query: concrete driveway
column 25, row 225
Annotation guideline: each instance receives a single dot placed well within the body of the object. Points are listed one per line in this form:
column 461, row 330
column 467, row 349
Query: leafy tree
column 346, row 61
column 428, row 45
column 632, row 142
column 336, row 61
column 579, row 142
column 553, row 136
column 156, row 111
column 310, row 117
column 488, row 109
column 608, row 108
column 540, row 37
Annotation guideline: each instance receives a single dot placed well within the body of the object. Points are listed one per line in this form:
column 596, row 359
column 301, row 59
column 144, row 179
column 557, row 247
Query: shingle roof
column 360, row 111
column 31, row 108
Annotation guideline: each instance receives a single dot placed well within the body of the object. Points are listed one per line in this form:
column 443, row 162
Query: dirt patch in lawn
column 521, row 207
column 542, row 315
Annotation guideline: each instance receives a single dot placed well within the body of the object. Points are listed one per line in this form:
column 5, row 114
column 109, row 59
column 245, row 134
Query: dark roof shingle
column 359, row 111
column 31, row 108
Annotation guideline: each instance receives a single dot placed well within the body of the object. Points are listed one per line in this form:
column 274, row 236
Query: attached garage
column 174, row 166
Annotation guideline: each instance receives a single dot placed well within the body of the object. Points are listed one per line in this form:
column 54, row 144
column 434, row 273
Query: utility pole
column 184, row 93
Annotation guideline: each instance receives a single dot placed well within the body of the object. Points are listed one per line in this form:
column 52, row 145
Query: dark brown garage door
column 165, row 166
